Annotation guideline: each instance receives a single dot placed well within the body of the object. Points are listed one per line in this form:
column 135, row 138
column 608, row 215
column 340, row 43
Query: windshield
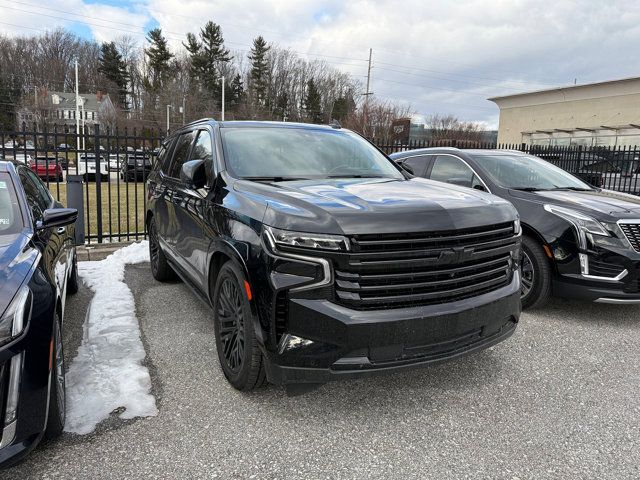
column 527, row 172
column 288, row 153
column 10, row 218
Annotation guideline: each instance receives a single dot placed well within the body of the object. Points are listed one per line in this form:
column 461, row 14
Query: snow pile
column 107, row 373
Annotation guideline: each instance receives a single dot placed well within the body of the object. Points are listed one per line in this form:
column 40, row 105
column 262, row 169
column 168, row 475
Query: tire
column 536, row 274
column 238, row 352
column 160, row 268
column 72, row 285
column 57, row 390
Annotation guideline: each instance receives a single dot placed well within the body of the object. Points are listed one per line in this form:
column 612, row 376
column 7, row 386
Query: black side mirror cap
column 57, row 217
column 194, row 174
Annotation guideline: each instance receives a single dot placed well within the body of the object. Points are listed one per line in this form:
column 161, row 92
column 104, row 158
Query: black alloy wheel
column 535, row 272
column 528, row 276
column 160, row 268
column 231, row 325
column 238, row 351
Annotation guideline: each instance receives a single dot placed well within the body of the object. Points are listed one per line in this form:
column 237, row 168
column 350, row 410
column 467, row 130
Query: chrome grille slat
column 632, row 232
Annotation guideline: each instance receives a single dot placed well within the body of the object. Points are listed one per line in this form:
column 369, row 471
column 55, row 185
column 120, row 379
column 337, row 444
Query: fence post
column 96, row 148
column 75, row 199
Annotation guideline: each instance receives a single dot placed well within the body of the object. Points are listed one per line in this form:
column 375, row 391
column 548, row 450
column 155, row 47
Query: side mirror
column 406, row 168
column 57, row 217
column 463, row 182
column 194, row 174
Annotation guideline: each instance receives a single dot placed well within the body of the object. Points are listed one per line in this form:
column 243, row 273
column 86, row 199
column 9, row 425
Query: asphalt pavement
column 558, row 400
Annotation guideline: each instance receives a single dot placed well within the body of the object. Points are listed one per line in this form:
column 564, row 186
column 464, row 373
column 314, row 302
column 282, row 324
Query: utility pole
column 168, row 108
column 366, row 96
column 77, row 109
column 184, row 108
column 223, row 98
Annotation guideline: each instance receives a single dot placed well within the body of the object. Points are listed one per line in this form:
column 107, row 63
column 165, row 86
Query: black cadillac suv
column 322, row 259
column 578, row 241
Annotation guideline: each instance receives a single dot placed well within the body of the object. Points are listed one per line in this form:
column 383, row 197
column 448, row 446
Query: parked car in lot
column 86, row 164
column 324, row 260
column 578, row 240
column 47, row 168
column 135, row 168
column 37, row 270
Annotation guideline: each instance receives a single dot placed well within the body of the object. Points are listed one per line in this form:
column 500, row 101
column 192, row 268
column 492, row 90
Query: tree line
column 268, row 82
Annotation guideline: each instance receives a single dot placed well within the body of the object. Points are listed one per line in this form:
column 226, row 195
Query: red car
column 47, row 168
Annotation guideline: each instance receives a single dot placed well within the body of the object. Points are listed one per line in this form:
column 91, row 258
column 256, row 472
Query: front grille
column 392, row 271
column 632, row 232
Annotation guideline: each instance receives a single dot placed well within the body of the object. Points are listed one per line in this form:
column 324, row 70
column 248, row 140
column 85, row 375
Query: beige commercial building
column 605, row 113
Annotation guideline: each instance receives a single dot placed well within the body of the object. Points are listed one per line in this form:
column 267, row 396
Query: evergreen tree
column 159, row 56
column 313, row 102
column 194, row 48
column 259, row 70
column 114, row 68
column 207, row 58
column 342, row 107
column 236, row 91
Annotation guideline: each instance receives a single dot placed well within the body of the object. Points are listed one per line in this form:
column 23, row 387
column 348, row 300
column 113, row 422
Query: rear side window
column 182, row 148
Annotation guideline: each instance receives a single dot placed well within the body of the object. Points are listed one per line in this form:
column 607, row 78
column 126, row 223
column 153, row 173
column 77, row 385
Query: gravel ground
column 557, row 400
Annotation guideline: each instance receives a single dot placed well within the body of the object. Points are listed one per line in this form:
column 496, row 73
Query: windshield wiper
column 273, row 179
column 347, row 175
column 531, row 189
column 575, row 189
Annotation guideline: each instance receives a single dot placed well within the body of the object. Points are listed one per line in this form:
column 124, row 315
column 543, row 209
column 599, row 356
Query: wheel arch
column 220, row 252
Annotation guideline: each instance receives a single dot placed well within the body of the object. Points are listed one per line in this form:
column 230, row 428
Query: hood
column 357, row 206
column 604, row 204
column 16, row 260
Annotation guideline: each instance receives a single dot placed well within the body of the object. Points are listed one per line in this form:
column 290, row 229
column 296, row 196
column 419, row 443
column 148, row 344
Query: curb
column 98, row 252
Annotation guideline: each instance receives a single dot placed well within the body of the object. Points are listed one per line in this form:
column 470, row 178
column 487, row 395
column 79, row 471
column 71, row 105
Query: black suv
column 322, row 258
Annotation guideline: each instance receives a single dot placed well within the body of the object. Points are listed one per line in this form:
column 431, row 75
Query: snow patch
column 108, row 373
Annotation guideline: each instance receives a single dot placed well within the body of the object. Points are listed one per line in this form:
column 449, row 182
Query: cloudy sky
column 438, row 56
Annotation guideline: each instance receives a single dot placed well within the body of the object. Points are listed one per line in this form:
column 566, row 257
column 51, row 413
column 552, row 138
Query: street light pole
column 223, row 98
column 77, row 110
column 168, row 107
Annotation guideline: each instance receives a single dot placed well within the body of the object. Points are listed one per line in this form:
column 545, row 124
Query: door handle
column 61, row 230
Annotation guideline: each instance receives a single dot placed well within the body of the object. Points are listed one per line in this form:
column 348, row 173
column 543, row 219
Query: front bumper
column 613, row 276
column 326, row 341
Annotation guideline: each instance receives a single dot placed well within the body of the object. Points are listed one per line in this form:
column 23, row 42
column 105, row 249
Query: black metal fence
column 114, row 165
column 613, row 168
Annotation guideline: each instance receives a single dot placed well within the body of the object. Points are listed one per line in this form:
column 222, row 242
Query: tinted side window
column 203, row 149
column 418, row 164
column 446, row 168
column 180, row 152
column 38, row 200
column 164, row 156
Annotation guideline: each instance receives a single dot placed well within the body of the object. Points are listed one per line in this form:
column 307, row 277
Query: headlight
column 12, row 321
column 584, row 224
column 318, row 241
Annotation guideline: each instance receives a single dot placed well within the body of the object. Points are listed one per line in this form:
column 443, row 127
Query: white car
column 87, row 167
